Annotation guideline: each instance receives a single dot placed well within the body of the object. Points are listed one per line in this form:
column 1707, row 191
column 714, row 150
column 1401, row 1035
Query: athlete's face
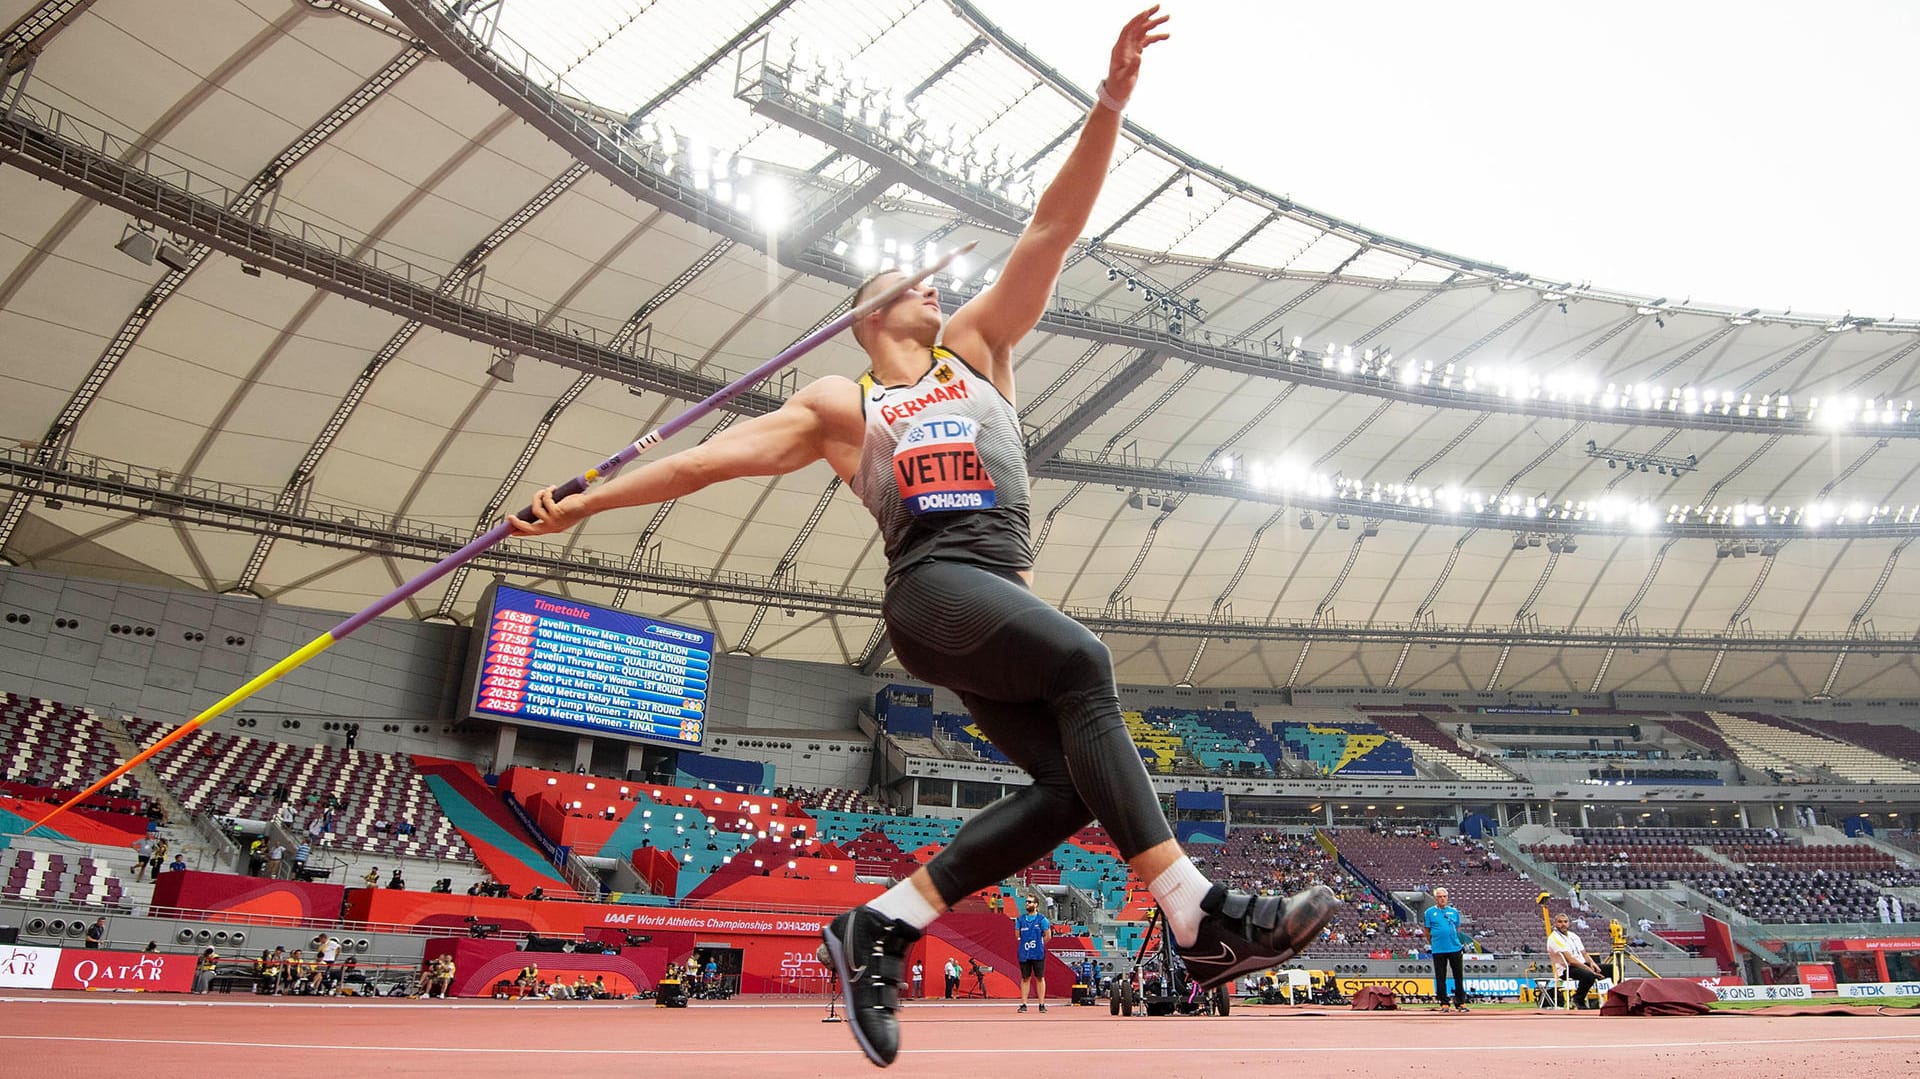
column 914, row 314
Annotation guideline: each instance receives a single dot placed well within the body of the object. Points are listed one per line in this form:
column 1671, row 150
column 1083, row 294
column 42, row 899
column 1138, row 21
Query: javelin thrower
column 929, row 440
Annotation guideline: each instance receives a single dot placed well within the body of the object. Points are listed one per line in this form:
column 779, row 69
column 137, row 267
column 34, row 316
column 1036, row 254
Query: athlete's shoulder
column 830, row 394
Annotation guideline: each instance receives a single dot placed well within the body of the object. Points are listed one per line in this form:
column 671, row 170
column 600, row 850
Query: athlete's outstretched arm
column 785, row 440
column 991, row 323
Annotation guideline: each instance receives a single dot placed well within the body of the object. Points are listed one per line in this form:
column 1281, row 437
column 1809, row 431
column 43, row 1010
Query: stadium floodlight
column 138, row 244
column 770, row 204
column 501, row 367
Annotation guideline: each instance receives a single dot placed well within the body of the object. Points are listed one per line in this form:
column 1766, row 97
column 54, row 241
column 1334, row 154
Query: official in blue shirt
column 1443, row 940
column 1032, row 927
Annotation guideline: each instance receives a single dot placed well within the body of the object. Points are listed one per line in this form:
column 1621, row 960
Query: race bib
column 937, row 466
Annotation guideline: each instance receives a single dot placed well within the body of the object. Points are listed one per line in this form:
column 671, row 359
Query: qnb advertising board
column 557, row 662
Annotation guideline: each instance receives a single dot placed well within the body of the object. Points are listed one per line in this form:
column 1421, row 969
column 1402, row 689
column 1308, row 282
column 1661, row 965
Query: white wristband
column 1111, row 102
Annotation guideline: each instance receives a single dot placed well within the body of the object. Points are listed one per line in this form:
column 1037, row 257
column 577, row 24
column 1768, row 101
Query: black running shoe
column 1241, row 933
column 868, row 951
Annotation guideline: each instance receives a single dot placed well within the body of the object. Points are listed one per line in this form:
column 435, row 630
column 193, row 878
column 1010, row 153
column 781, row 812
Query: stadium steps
column 502, row 845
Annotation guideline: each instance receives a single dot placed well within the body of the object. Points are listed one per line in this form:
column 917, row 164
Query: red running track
column 156, row 1037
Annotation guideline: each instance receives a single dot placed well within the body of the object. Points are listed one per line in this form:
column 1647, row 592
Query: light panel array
column 870, row 254
column 1510, row 508
column 907, row 131
column 1516, row 383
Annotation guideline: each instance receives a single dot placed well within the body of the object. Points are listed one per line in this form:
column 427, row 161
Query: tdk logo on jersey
column 937, row 466
column 953, row 429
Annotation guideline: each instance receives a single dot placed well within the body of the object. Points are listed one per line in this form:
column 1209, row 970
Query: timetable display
column 558, row 662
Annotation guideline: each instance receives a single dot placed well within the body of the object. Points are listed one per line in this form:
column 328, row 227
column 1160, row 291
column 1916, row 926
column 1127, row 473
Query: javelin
column 500, row 530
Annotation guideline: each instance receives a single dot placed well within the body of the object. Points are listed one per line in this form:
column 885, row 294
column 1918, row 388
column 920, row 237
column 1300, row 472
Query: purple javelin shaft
column 613, row 464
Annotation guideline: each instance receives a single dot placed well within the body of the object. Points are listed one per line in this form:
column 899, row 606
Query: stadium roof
column 1271, row 447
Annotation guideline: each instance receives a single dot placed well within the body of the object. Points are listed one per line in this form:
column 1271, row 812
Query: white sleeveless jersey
column 943, row 469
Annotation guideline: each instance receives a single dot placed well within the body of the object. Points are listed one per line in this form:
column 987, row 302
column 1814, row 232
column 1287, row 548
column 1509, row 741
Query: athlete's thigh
column 976, row 632
column 1025, row 731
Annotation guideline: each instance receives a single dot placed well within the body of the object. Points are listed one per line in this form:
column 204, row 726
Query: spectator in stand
column 179, row 862
column 159, row 857
column 97, row 933
column 276, row 856
column 372, row 878
column 1442, row 921
column 300, row 855
column 143, row 852
column 1570, row 959
column 398, row 883
column 353, row 734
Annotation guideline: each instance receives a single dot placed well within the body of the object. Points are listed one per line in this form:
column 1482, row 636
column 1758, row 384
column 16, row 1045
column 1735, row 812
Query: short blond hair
column 860, row 294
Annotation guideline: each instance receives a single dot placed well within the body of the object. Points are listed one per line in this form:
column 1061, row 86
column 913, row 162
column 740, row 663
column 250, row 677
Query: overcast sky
column 1751, row 153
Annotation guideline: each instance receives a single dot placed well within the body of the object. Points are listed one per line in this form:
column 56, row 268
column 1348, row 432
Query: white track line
column 996, row 1051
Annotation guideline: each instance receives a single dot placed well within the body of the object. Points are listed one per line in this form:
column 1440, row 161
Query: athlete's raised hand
column 1123, row 70
column 550, row 516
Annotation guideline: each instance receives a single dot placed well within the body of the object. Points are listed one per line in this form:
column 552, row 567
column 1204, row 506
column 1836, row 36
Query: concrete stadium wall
column 395, row 672
column 407, row 674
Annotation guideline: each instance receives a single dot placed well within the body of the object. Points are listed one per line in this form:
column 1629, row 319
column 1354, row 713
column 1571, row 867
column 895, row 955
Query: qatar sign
column 25, row 967
column 88, row 968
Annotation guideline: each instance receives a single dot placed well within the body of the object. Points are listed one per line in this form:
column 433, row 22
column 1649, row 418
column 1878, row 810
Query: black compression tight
column 1040, row 686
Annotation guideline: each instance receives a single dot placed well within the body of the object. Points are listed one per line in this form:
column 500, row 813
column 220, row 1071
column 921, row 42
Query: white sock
column 1179, row 889
column 904, row 902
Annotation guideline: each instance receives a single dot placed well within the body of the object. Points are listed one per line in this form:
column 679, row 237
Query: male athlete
column 930, row 442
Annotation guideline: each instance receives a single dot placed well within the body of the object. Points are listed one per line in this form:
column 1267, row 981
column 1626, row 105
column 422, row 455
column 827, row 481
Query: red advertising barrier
column 93, row 968
column 253, row 899
column 1885, row 944
column 1714, row 981
column 1817, row 976
column 481, row 964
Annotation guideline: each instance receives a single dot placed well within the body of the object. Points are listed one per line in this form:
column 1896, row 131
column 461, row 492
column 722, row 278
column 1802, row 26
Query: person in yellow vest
column 203, row 969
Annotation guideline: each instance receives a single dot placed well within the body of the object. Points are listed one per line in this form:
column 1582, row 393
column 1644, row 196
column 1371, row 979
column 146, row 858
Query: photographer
column 1570, row 960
